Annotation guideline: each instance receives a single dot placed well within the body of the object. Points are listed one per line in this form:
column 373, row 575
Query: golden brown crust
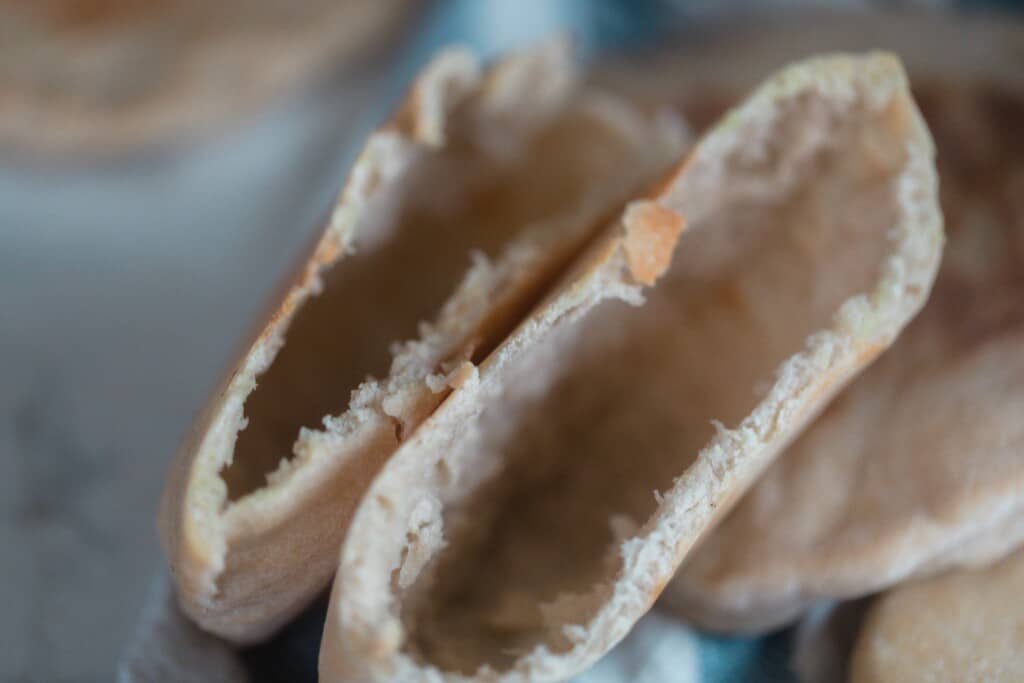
column 651, row 234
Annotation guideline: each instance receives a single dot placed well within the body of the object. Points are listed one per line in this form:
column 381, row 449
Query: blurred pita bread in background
column 962, row 626
column 527, row 524
column 731, row 52
column 98, row 75
column 918, row 465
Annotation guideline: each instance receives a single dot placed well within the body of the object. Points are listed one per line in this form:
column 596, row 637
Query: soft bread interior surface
column 483, row 189
column 569, row 460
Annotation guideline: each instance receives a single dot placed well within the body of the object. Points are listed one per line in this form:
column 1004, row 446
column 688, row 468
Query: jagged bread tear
column 506, row 171
column 535, row 516
column 917, row 467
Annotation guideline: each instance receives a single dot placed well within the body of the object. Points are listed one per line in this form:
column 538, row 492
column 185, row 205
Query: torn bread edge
column 244, row 568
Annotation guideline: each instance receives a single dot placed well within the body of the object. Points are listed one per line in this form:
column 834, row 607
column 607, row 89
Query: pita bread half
column 917, row 467
column 962, row 626
column 104, row 74
column 532, row 519
column 514, row 166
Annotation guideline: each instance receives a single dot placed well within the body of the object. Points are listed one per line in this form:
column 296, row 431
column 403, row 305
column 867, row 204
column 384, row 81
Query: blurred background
column 161, row 166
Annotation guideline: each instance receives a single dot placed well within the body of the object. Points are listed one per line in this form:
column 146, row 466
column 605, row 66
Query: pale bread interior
column 487, row 187
column 790, row 221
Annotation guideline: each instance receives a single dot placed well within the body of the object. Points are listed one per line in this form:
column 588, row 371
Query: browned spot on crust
column 651, row 234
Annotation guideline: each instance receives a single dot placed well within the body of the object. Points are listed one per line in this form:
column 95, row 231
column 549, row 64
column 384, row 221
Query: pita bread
column 917, row 467
column 972, row 46
column 102, row 74
column 529, row 522
column 515, row 165
column 963, row 626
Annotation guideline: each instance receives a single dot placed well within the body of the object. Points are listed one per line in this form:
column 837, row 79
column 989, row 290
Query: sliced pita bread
column 963, row 626
column 918, row 466
column 104, row 74
column 529, row 522
column 516, row 161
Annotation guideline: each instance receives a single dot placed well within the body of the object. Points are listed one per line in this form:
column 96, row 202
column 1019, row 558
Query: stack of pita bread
column 627, row 350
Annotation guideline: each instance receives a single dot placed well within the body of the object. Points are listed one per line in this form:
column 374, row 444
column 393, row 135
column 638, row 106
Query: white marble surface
column 124, row 289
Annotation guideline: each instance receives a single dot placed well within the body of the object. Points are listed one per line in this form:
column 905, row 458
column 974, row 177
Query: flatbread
column 962, row 626
column 533, row 518
column 506, row 172
column 918, row 466
column 102, row 75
